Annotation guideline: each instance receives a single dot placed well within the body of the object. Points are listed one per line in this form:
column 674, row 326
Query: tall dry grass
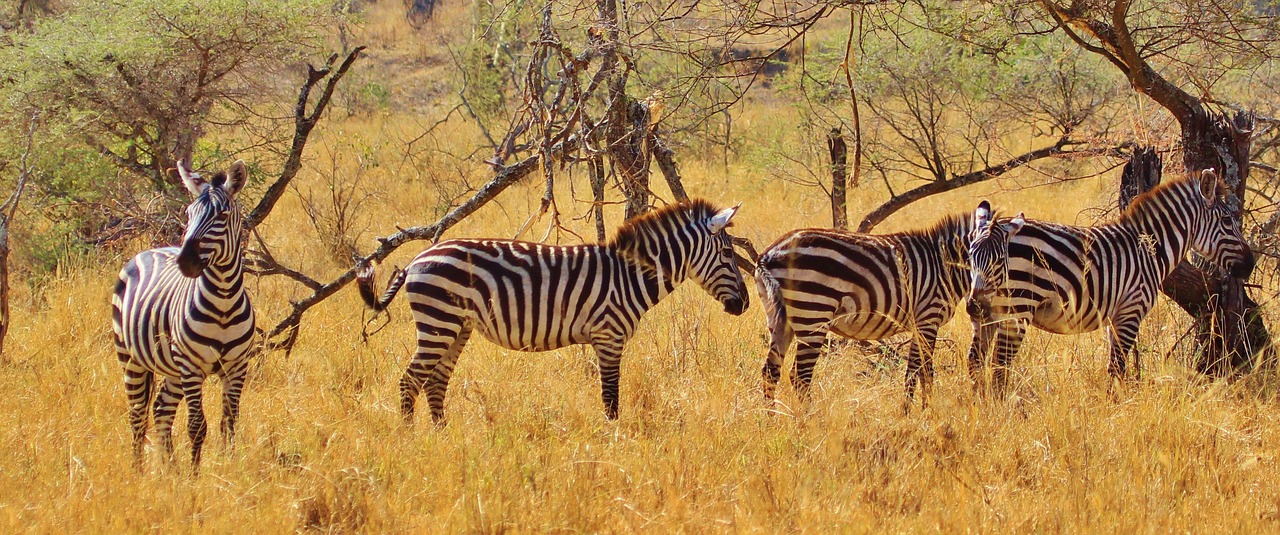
column 321, row 445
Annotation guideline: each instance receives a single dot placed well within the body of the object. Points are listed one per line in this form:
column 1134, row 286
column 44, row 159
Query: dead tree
column 839, row 179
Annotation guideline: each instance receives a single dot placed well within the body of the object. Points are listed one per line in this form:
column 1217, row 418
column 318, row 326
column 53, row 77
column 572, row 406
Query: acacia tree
column 929, row 113
column 139, row 83
column 1176, row 53
column 1162, row 48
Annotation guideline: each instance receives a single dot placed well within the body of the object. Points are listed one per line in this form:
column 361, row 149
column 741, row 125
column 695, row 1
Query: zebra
column 534, row 297
column 865, row 287
column 1069, row 280
column 181, row 314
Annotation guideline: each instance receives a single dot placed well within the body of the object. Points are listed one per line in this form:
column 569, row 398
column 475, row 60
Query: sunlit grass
column 321, row 444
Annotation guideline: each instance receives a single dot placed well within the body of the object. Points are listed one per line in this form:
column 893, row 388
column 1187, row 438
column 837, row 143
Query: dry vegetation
column 322, row 446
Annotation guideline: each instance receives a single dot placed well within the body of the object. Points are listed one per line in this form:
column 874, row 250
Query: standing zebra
column 181, row 313
column 862, row 286
column 534, row 297
column 1070, row 280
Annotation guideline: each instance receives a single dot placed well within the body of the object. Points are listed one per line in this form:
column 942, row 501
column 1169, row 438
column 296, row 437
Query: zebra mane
column 948, row 224
column 630, row 236
column 1138, row 203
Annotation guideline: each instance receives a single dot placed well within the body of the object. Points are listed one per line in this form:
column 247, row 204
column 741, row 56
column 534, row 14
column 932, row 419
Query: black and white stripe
column 534, row 297
column 861, row 286
column 180, row 314
column 1067, row 280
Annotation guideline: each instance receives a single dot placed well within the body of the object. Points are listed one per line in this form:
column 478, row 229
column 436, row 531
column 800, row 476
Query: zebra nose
column 1244, row 267
column 978, row 308
column 189, row 262
column 734, row 306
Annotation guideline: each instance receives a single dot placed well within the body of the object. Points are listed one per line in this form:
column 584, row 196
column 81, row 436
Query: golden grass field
column 321, row 445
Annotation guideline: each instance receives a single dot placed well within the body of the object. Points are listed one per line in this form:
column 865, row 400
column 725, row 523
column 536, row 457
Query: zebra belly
column 1059, row 315
column 867, row 325
column 537, row 345
column 1051, row 314
column 211, row 359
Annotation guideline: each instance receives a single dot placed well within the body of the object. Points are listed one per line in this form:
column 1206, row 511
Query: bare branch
column 304, row 122
column 1062, row 147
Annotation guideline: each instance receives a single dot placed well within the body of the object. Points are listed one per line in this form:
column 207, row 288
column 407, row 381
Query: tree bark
column 1229, row 331
column 595, row 167
column 629, row 151
column 1140, row 174
column 839, row 179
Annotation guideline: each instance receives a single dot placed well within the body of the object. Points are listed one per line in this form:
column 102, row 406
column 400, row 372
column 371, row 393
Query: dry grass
column 322, row 448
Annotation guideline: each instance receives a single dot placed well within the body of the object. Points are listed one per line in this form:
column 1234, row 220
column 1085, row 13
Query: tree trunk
column 629, row 150
column 4, row 289
column 1229, row 331
column 839, row 179
column 1140, row 174
column 595, row 166
column 667, row 164
column 1228, row 326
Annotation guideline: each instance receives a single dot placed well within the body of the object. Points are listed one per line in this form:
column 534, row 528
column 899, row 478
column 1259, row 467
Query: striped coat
column 180, row 314
column 862, row 286
column 1066, row 279
column 534, row 297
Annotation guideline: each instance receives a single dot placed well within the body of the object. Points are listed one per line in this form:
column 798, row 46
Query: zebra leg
column 809, row 346
column 437, row 335
column 197, row 428
column 441, row 375
column 772, row 371
column 609, row 355
column 920, row 363
column 1124, row 335
column 1008, row 342
column 166, row 405
column 979, row 350
column 232, row 386
column 139, row 385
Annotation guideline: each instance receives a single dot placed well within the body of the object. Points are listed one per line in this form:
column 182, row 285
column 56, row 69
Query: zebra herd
column 180, row 314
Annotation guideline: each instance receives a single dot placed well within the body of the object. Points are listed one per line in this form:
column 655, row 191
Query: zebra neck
column 225, row 274
column 1165, row 237
column 952, row 242
column 653, row 281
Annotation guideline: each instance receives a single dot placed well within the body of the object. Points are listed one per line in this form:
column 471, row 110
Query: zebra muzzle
column 734, row 306
column 190, row 263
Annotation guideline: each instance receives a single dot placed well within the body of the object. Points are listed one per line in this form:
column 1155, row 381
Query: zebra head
column 714, row 265
column 1216, row 233
column 213, row 219
column 989, row 251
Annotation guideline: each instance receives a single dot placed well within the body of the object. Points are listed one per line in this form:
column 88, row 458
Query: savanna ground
column 321, row 444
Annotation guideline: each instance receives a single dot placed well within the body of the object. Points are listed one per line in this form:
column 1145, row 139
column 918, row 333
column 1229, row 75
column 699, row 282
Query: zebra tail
column 775, row 312
column 364, row 282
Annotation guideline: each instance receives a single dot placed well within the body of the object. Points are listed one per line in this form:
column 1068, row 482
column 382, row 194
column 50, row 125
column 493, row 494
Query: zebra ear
column 1209, row 185
column 982, row 215
column 1014, row 225
column 191, row 179
column 722, row 219
column 236, row 178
